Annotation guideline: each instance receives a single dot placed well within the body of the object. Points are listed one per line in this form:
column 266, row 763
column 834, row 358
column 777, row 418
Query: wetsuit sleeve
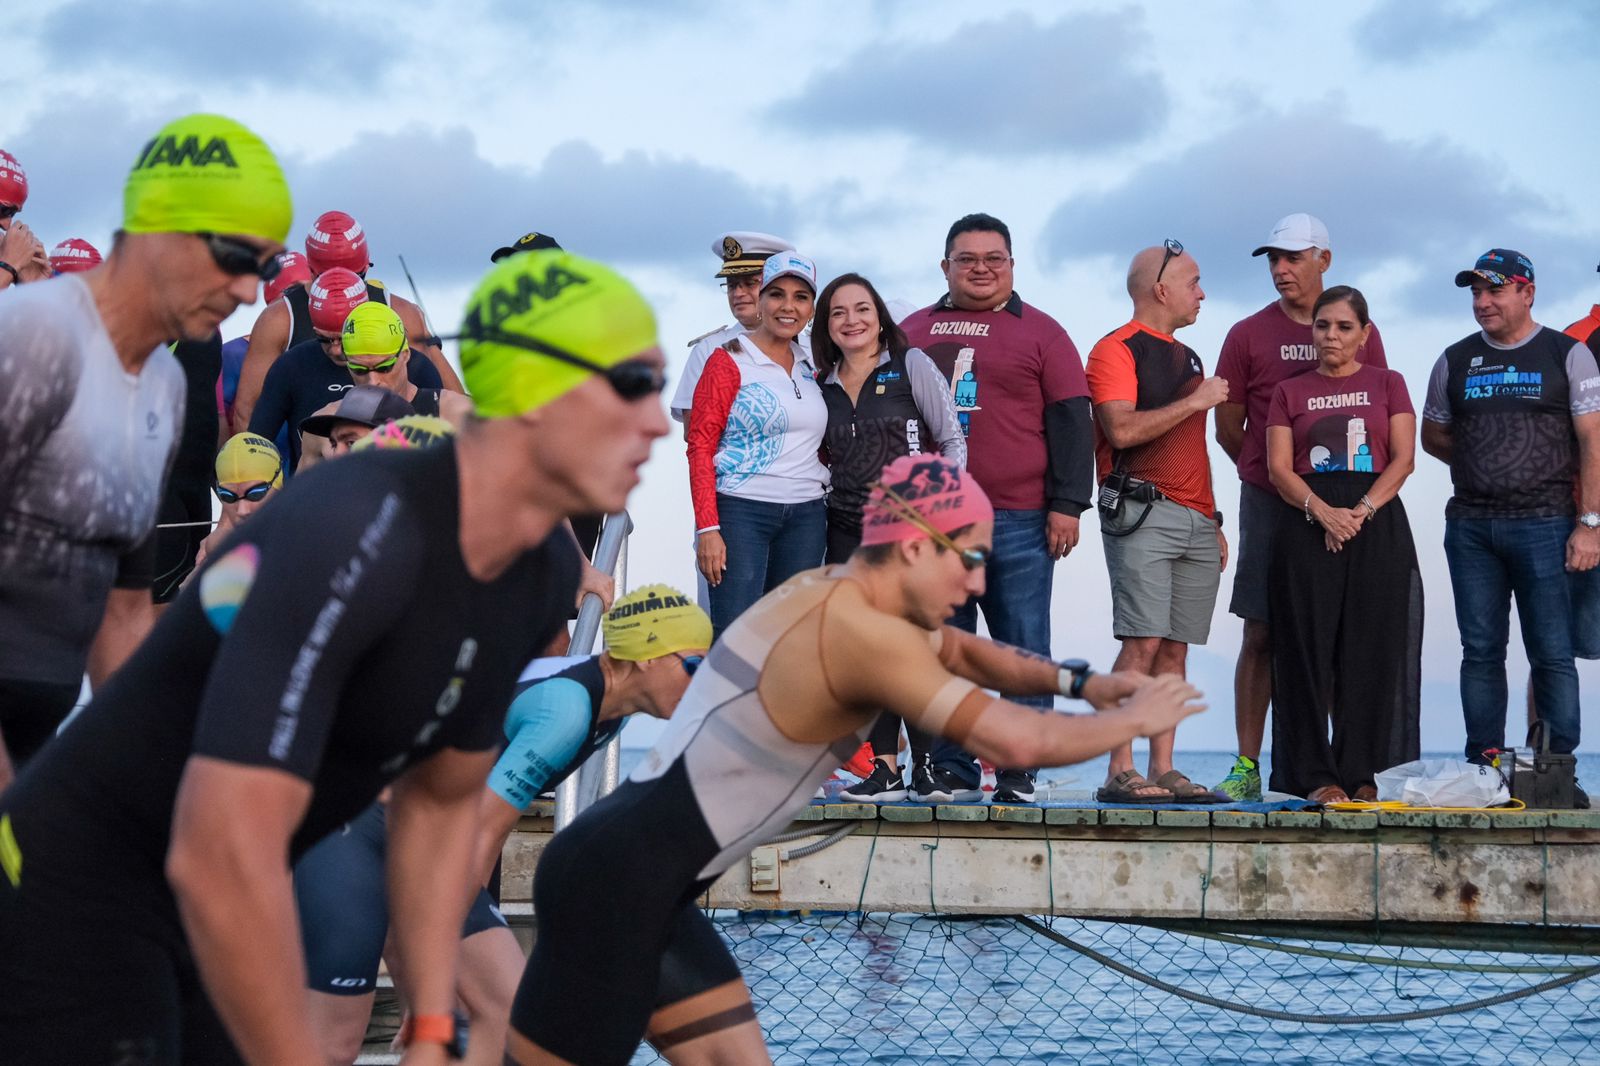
column 272, row 406
column 708, row 417
column 1373, row 354
column 546, row 726
column 311, row 608
column 421, row 372
column 1436, row 406
column 931, row 393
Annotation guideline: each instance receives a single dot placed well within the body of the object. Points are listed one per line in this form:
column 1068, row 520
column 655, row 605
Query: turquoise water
column 900, row 990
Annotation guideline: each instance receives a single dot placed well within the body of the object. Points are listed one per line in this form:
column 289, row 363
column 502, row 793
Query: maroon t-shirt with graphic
column 1005, row 366
column 1340, row 423
column 1260, row 351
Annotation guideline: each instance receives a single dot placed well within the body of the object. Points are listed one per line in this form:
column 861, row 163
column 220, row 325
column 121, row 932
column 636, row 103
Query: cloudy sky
column 1421, row 132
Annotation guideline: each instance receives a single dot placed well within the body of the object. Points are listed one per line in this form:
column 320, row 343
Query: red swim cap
column 13, row 181
column 337, row 240
column 334, row 294
column 937, row 491
column 293, row 269
column 72, row 255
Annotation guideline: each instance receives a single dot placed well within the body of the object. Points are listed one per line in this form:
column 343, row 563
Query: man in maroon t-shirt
column 1268, row 347
column 1023, row 402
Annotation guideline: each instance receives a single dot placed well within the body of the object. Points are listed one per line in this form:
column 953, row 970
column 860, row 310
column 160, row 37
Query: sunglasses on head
column 971, row 558
column 691, row 663
column 1174, row 249
column 255, row 493
column 239, row 259
column 631, row 380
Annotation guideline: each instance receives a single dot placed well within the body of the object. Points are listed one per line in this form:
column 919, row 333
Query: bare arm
column 1230, row 429
column 1402, row 460
column 496, row 820
column 1126, row 427
column 1437, row 440
column 1342, row 522
column 267, row 341
column 228, row 866
column 433, row 821
column 129, row 616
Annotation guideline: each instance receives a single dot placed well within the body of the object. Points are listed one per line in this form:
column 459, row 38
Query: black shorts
column 343, row 900
column 89, row 976
column 619, row 933
column 178, row 547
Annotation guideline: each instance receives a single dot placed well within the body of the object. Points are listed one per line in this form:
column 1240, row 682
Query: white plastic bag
column 1442, row 783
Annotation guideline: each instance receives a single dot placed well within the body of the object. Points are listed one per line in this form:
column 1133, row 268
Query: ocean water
column 902, row 990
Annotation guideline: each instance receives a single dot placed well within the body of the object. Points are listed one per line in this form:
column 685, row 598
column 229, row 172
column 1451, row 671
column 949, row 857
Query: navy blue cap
column 1497, row 266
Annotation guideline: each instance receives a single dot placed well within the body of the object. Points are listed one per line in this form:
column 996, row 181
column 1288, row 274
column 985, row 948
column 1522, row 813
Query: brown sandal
column 1124, row 788
column 1328, row 794
column 1186, row 791
column 1367, row 794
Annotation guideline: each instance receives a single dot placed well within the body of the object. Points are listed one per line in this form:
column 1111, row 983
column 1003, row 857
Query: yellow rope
column 1397, row 805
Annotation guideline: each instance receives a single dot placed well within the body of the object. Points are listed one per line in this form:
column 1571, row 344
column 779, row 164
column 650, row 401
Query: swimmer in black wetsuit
column 564, row 711
column 299, row 674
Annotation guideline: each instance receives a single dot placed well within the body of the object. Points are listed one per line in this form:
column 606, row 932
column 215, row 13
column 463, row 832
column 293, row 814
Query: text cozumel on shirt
column 1021, row 395
column 1260, row 351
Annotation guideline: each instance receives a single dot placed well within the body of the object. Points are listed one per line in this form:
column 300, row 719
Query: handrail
column 611, row 549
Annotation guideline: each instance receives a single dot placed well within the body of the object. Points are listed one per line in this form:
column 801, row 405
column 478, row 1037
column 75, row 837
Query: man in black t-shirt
column 1515, row 411
column 296, row 676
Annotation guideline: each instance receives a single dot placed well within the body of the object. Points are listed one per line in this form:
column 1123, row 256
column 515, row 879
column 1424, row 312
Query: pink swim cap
column 942, row 494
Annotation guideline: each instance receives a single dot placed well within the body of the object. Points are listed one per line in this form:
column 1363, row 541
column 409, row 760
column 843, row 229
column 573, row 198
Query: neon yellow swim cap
column 559, row 299
column 654, row 621
column 247, row 457
column 373, row 328
column 409, row 431
column 207, row 174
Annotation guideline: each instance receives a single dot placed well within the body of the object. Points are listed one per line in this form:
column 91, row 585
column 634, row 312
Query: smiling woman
column 754, row 430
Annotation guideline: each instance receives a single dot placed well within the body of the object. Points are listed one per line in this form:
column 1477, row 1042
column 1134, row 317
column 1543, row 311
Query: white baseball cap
column 789, row 264
column 1296, row 233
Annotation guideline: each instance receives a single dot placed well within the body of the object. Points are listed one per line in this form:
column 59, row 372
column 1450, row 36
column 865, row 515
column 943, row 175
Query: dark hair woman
column 885, row 399
column 1344, row 591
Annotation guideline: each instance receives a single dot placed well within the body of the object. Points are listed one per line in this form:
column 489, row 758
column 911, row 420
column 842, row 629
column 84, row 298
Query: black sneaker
column 1013, row 786
column 883, row 785
column 1580, row 798
column 935, row 784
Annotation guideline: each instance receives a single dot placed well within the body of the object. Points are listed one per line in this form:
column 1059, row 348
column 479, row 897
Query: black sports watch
column 1079, row 669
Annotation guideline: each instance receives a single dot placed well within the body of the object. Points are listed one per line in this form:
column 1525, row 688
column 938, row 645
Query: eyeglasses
column 1174, row 249
column 691, row 663
column 376, row 368
column 255, row 493
column 966, row 261
column 240, row 259
column 971, row 558
column 631, row 380
column 744, row 281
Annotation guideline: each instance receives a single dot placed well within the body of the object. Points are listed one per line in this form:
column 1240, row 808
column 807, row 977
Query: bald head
column 1143, row 270
column 1165, row 288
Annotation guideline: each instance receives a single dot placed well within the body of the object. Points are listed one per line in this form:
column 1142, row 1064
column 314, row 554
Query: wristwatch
column 1589, row 520
column 447, row 1029
column 1074, row 672
column 9, row 269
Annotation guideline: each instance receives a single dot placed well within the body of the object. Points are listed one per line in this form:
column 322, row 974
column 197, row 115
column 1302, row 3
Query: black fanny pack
column 1116, row 490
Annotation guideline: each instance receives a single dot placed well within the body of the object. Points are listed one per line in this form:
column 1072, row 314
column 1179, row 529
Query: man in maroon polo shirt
column 1022, row 399
column 1268, row 347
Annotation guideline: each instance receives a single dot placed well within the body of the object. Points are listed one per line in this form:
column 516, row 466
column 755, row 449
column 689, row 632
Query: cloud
column 290, row 42
column 1429, row 203
column 431, row 197
column 1009, row 85
column 1407, row 30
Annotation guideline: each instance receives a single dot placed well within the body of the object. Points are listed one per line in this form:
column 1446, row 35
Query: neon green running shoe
column 1243, row 782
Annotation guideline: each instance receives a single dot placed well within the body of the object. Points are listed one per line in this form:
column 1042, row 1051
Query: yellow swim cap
column 247, row 457
column 555, row 298
column 410, row 431
column 373, row 328
column 207, row 174
column 656, row 620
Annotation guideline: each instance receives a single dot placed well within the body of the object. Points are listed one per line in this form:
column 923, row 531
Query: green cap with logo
column 207, row 174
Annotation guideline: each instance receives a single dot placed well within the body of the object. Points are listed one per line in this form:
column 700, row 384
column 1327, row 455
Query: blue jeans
column 1491, row 560
column 768, row 543
column 1016, row 604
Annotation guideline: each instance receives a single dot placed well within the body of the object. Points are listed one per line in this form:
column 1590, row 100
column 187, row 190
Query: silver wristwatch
column 1589, row 520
